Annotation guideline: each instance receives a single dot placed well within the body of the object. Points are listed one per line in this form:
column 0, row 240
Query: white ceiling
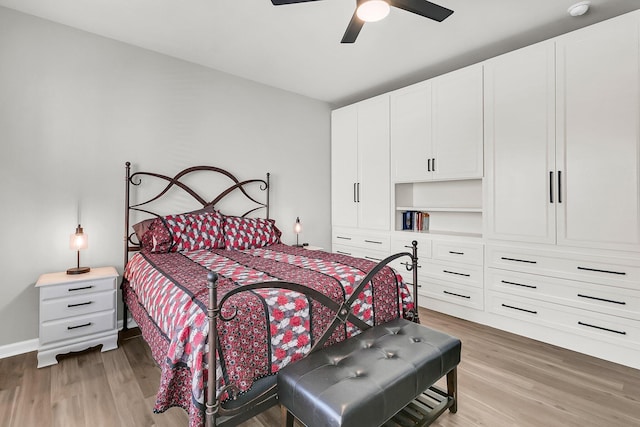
column 297, row 47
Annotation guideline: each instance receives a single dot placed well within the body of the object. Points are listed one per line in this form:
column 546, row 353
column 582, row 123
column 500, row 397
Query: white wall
column 74, row 107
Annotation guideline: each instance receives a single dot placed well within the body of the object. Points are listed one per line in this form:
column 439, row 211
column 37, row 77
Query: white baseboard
column 18, row 348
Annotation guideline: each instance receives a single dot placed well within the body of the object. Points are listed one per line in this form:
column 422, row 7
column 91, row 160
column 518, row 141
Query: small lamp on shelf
column 77, row 242
column 297, row 228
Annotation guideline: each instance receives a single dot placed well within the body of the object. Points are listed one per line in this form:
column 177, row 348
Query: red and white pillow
column 185, row 232
column 207, row 230
column 249, row 233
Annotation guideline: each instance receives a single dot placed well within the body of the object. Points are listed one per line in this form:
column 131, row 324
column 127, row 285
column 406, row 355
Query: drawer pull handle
column 602, row 299
column 80, row 289
column 343, row 253
column 343, row 238
column 519, row 260
column 519, row 284
column 456, row 253
column 622, row 273
column 602, row 328
column 457, row 295
column 372, row 258
column 406, row 264
column 79, row 326
column 373, row 241
column 559, row 186
column 79, row 304
column 457, row 274
column 520, row 309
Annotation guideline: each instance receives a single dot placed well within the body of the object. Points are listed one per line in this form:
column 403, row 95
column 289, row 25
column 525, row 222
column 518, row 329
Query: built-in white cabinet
column 519, row 156
column 542, row 241
column 360, row 183
column 562, row 140
column 436, row 128
column 598, row 136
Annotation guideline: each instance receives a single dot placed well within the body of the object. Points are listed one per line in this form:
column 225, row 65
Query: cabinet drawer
column 373, row 241
column 467, row 253
column 607, row 270
column 375, row 256
column 603, row 299
column 469, row 275
column 451, row 292
column 400, row 266
column 59, row 308
column 593, row 325
column 402, row 243
column 72, row 327
column 77, row 288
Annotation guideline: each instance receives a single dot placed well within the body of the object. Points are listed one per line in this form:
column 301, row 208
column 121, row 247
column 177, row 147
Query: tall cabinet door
column 411, row 133
column 344, row 166
column 598, row 135
column 373, row 188
column 457, row 124
column 520, row 145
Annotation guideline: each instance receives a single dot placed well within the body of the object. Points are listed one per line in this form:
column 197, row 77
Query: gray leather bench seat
column 366, row 379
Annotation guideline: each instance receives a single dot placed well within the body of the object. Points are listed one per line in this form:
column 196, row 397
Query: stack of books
column 415, row 220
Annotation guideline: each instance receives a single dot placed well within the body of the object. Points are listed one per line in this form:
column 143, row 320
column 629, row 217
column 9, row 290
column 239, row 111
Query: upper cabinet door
column 373, row 188
column 344, row 166
column 519, row 143
column 436, row 128
column 598, row 135
column 457, row 128
column 411, row 133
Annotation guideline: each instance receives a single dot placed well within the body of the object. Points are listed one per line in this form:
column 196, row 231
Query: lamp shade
column 78, row 240
column 297, row 227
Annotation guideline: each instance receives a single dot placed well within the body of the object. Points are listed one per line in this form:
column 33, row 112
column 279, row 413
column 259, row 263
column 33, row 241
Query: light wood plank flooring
column 504, row 380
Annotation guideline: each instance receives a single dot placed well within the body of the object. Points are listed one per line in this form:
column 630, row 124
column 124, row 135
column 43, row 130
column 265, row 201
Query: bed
column 220, row 292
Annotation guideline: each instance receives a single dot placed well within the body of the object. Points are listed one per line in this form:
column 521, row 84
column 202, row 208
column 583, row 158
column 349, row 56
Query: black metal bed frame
column 216, row 414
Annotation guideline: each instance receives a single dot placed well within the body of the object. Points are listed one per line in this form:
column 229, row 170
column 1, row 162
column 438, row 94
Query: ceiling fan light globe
column 373, row 10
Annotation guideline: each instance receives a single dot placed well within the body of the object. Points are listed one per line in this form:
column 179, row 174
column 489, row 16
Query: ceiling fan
column 375, row 10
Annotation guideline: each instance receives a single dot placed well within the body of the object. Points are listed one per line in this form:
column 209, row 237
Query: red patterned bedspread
column 272, row 328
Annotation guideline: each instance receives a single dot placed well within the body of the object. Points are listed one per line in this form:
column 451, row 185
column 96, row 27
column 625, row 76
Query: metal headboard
column 131, row 243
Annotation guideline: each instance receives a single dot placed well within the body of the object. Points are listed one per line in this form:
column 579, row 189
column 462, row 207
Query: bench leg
column 452, row 388
column 287, row 417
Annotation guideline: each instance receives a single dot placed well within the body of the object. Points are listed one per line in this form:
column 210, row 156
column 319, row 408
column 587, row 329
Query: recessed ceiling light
column 579, row 9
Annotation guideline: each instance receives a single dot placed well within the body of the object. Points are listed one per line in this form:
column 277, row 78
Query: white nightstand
column 77, row 312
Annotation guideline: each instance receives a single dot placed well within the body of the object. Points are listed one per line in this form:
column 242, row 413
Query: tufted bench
column 369, row 378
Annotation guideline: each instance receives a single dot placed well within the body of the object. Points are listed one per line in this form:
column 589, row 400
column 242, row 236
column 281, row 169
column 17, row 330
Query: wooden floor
column 503, row 379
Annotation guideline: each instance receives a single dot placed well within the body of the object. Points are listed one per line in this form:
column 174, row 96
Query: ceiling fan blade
column 353, row 29
column 423, row 8
column 281, row 2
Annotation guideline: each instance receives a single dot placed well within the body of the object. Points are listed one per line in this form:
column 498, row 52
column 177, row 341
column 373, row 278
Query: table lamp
column 77, row 242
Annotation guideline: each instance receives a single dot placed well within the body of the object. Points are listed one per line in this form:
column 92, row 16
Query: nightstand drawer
column 76, row 305
column 72, row 327
column 77, row 288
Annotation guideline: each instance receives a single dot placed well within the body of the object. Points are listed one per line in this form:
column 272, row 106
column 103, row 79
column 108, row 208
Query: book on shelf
column 415, row 220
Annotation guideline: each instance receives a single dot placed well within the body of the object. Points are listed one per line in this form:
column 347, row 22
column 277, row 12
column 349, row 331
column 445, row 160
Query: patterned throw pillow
column 185, row 232
column 249, row 233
